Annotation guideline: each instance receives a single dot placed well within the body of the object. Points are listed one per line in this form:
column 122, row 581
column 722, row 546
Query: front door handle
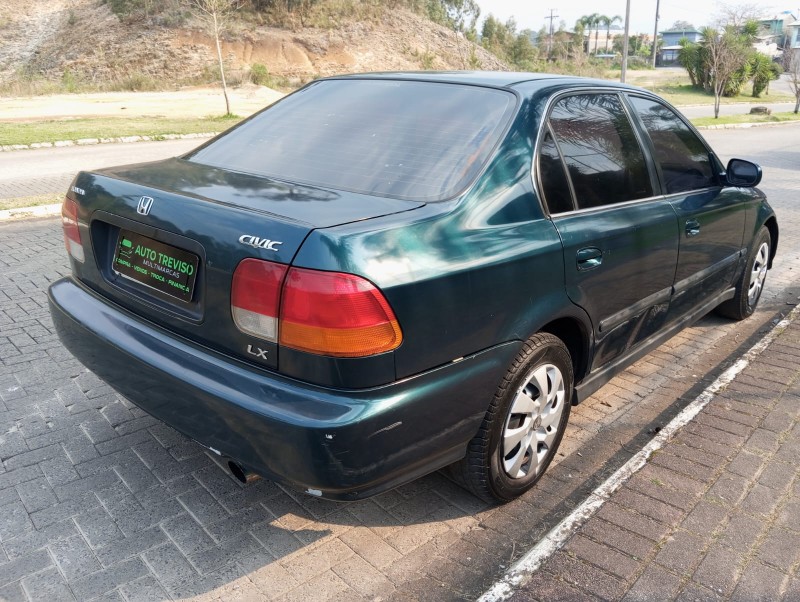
column 692, row 227
column 589, row 258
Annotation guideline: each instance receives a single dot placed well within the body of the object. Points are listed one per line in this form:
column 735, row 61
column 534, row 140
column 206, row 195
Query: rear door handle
column 692, row 227
column 589, row 258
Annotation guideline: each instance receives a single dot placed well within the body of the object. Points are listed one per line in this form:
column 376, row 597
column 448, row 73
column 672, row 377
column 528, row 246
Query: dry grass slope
column 80, row 44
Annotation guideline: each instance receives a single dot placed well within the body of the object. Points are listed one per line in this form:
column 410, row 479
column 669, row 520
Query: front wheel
column 524, row 424
column 751, row 283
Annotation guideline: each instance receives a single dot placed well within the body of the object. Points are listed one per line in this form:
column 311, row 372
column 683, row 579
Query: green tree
column 689, row 57
column 726, row 54
column 591, row 22
column 522, row 53
column 609, row 23
column 462, row 16
column 761, row 67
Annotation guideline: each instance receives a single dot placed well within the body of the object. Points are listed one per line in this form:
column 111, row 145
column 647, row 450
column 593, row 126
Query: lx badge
column 258, row 352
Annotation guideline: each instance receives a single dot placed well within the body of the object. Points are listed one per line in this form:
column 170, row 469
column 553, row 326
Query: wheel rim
column 758, row 274
column 532, row 425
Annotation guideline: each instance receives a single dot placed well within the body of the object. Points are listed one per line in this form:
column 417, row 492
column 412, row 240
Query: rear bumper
column 338, row 444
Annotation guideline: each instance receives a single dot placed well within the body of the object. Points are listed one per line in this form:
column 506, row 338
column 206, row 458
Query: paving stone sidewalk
column 715, row 515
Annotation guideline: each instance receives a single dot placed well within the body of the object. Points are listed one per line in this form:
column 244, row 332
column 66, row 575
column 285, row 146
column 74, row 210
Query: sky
column 531, row 14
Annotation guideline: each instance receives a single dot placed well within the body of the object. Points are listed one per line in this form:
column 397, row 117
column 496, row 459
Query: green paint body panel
column 469, row 278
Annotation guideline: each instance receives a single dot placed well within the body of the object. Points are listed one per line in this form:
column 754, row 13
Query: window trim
column 547, row 129
column 544, row 125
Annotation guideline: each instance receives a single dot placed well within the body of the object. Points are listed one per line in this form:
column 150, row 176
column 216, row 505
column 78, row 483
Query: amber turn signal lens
column 336, row 314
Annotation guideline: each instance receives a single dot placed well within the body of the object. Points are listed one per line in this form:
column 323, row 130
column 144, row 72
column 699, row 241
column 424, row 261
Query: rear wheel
column 751, row 283
column 524, row 424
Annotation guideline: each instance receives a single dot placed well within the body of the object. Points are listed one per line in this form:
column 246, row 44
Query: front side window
column 684, row 159
column 404, row 139
column 604, row 160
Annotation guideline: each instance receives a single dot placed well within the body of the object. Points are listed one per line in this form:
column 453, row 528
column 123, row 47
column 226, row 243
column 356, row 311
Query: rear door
column 620, row 240
column 711, row 218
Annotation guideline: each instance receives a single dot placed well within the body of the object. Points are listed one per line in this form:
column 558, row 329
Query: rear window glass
column 414, row 140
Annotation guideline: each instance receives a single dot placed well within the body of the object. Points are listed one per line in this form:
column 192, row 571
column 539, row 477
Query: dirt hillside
column 82, row 39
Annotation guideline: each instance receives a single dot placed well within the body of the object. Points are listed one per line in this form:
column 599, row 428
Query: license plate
column 163, row 267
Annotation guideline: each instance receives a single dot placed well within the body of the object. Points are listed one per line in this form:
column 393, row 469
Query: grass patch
column 685, row 94
column 31, row 201
column 774, row 118
column 109, row 127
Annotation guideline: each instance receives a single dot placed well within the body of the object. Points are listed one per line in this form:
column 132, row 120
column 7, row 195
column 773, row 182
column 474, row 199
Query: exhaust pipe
column 242, row 474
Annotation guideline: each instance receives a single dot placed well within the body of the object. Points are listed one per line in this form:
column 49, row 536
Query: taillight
column 72, row 235
column 336, row 314
column 255, row 294
column 326, row 313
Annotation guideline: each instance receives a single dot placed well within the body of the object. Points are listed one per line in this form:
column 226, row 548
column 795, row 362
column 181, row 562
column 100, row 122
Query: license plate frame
column 162, row 267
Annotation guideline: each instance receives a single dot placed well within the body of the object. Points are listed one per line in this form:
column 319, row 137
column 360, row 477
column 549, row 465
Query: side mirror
column 743, row 173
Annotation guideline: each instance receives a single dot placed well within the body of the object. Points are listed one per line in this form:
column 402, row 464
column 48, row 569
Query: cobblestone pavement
column 98, row 500
column 715, row 515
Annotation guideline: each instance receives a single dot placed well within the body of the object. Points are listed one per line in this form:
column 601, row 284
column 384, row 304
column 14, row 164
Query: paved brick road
column 99, row 500
column 714, row 516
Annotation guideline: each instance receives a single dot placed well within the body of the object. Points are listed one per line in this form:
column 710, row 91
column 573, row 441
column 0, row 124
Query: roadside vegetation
column 724, row 61
column 109, row 127
column 687, row 95
column 30, row 201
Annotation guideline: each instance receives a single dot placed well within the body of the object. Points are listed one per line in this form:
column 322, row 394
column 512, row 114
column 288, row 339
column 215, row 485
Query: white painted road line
column 522, row 570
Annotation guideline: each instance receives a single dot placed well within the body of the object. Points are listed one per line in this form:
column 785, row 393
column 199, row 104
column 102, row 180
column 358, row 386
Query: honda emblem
column 145, row 203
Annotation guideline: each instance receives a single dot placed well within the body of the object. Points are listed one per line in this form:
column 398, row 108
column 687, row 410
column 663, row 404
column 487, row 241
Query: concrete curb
column 522, row 571
column 27, row 212
column 93, row 141
column 742, row 126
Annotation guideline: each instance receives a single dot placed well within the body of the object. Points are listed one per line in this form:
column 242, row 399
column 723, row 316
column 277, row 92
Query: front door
column 711, row 219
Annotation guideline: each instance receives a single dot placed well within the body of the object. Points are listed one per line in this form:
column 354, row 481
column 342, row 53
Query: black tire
column 751, row 282
column 485, row 468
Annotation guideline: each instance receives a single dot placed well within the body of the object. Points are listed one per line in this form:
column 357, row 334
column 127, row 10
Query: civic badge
column 145, row 203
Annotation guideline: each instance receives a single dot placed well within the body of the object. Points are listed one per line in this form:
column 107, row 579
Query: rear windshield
column 412, row 140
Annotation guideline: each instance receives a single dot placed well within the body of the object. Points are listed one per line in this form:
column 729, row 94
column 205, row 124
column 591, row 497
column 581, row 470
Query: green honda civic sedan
column 387, row 274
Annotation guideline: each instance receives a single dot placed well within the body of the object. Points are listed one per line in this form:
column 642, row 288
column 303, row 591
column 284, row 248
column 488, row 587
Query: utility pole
column 655, row 34
column 550, row 39
column 625, row 42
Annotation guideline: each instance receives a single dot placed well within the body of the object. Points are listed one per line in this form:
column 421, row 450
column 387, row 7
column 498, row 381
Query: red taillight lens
column 72, row 235
column 255, row 295
column 336, row 314
column 327, row 313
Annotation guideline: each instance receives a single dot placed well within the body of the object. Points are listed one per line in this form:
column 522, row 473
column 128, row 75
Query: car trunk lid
column 197, row 223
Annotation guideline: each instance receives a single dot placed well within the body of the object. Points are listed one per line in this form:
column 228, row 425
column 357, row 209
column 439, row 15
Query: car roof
column 495, row 79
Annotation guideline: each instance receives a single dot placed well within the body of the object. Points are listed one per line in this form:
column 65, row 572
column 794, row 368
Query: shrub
column 259, row 75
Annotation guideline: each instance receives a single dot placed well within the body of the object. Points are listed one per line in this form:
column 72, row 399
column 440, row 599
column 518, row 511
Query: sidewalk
column 713, row 515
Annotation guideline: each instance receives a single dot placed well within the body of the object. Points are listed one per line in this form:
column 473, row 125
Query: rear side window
column 603, row 157
column 684, row 159
column 414, row 140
